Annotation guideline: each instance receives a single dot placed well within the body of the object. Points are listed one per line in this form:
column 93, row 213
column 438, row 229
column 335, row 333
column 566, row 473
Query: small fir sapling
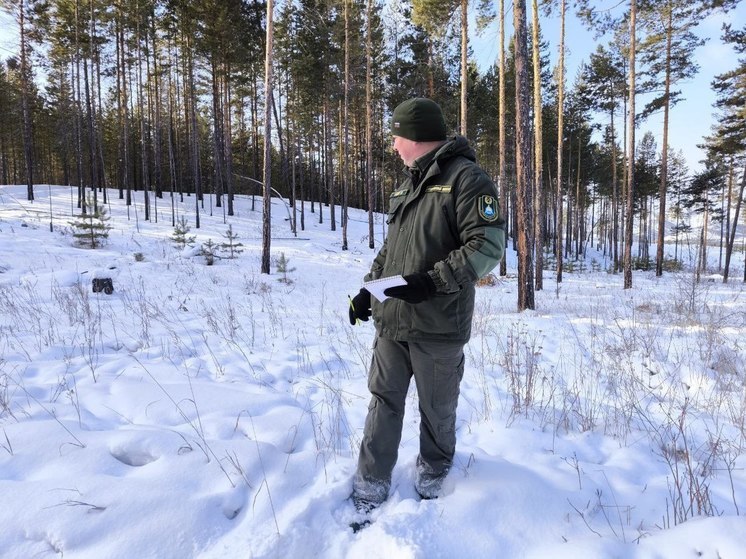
column 282, row 268
column 231, row 246
column 180, row 236
column 208, row 251
column 91, row 229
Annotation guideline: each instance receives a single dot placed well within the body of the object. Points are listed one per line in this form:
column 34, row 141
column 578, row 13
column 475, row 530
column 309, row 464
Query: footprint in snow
column 133, row 456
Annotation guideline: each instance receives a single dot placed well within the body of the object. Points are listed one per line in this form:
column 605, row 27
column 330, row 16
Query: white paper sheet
column 378, row 286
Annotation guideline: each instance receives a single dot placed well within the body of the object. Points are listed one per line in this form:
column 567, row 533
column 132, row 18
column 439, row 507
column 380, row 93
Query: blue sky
column 691, row 119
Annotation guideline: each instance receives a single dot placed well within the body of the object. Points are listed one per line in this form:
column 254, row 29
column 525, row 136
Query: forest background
column 176, row 97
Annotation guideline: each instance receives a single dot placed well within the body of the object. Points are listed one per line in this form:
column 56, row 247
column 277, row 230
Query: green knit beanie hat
column 419, row 119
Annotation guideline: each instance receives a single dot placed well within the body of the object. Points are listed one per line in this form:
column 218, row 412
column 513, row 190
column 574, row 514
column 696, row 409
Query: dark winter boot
column 428, row 482
column 363, row 507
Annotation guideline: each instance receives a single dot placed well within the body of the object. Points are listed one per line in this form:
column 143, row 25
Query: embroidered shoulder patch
column 438, row 188
column 487, row 207
column 401, row 192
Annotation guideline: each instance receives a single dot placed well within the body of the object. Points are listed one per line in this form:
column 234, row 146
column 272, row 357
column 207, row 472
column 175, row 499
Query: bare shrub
column 521, row 362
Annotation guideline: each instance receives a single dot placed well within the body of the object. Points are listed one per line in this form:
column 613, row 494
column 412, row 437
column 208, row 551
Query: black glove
column 420, row 287
column 360, row 307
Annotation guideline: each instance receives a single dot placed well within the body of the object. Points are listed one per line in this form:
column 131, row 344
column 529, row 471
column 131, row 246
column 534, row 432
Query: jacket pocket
column 395, row 204
column 440, row 316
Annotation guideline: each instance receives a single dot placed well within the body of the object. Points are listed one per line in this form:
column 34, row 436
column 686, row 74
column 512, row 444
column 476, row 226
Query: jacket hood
column 453, row 147
column 456, row 146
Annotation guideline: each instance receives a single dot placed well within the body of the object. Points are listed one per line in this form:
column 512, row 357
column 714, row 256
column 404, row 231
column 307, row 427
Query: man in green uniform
column 444, row 233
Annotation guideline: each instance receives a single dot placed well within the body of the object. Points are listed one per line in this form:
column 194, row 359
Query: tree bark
column 369, row 124
column 523, row 161
column 345, row 168
column 664, row 152
column 28, row 137
column 538, row 153
column 267, row 176
column 630, row 147
column 464, row 62
column 732, row 235
column 501, row 136
column 560, row 137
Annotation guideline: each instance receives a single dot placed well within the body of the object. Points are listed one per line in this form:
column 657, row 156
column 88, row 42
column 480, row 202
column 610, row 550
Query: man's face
column 407, row 150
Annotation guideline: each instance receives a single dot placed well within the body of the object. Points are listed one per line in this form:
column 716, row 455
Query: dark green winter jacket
column 444, row 221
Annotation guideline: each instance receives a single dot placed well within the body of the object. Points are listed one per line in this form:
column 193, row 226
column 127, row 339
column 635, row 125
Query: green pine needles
column 232, row 247
column 180, row 236
column 90, row 229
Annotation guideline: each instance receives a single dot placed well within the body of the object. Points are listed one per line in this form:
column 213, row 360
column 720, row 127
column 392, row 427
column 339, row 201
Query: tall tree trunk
column 630, row 147
column 578, row 216
column 91, row 138
column 217, row 131
column 193, row 132
column 369, row 123
column 614, row 198
column 255, row 131
column 98, row 115
column 157, row 125
column 28, row 138
column 345, row 169
column 145, row 164
column 704, row 237
column 78, row 119
column 664, row 152
column 725, row 212
column 464, row 62
column 430, row 74
column 523, row 160
column 732, row 234
column 267, row 176
column 228, row 139
column 92, row 163
column 501, row 135
column 124, row 185
column 560, row 137
column 538, row 152
column 172, row 166
column 329, row 169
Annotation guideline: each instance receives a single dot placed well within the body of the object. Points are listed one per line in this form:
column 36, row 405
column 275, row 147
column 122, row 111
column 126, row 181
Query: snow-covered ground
column 215, row 412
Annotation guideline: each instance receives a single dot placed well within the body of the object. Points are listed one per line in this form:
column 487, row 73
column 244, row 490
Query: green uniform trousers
column 437, row 368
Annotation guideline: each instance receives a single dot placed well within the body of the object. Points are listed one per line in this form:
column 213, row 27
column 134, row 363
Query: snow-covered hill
column 215, row 412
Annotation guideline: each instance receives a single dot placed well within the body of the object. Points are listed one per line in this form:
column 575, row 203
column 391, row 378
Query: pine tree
column 232, row 247
column 603, row 88
column 91, row 229
column 667, row 54
column 208, row 250
column 180, row 236
column 729, row 138
column 283, row 268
